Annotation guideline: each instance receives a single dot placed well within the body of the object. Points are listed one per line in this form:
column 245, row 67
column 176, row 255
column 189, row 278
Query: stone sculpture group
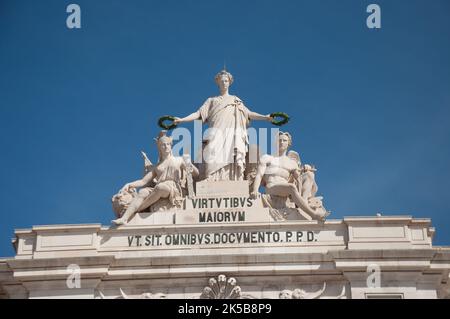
column 288, row 184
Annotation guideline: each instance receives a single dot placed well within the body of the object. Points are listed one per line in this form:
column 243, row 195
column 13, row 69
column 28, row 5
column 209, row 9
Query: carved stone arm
column 192, row 117
column 259, row 175
column 259, row 117
column 140, row 183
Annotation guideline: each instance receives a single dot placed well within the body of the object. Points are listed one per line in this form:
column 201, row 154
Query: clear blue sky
column 370, row 108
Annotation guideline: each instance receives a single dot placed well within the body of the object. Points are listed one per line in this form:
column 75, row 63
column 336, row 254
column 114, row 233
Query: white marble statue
column 282, row 178
column 166, row 175
column 227, row 143
column 309, row 185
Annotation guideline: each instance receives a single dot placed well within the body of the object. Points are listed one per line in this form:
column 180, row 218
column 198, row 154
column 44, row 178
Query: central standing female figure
column 227, row 139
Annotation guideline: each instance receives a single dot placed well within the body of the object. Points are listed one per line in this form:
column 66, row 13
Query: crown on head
column 222, row 73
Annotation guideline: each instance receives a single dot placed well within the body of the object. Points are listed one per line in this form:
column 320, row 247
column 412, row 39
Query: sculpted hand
column 269, row 118
column 126, row 189
column 177, row 120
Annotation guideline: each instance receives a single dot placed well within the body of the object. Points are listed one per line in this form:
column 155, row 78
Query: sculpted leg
column 142, row 201
column 160, row 191
column 287, row 189
column 131, row 210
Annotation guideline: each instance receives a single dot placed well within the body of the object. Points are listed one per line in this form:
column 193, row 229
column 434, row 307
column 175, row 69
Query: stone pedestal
column 183, row 253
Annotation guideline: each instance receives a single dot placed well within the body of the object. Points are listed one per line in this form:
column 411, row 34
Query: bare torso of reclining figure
column 275, row 173
column 278, row 174
column 278, row 170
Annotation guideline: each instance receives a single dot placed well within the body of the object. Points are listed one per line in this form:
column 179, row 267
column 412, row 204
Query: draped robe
column 227, row 118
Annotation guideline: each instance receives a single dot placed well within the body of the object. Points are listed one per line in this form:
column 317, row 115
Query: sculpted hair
column 222, row 73
column 163, row 136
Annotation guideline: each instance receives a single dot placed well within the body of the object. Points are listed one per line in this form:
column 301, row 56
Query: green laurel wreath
column 280, row 122
column 167, row 126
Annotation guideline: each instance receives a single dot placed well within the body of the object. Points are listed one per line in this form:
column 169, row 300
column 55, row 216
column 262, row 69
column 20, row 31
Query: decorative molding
column 221, row 288
column 146, row 295
column 302, row 294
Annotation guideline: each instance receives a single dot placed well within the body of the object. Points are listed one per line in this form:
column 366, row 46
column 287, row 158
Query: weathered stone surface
column 330, row 254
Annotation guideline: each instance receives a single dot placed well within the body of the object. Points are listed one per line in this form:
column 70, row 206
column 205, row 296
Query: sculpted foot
column 119, row 222
column 321, row 215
